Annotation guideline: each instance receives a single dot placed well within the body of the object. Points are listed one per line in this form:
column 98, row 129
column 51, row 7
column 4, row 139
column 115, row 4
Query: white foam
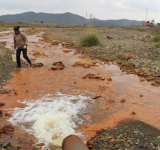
column 51, row 118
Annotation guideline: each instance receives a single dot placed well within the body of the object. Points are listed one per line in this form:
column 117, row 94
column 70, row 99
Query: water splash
column 52, row 118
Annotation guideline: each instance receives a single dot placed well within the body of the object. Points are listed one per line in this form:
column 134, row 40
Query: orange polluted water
column 142, row 101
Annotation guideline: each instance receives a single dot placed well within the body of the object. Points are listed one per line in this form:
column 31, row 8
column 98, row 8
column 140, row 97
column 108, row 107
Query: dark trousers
column 18, row 54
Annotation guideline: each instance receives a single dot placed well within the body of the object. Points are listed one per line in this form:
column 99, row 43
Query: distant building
column 149, row 24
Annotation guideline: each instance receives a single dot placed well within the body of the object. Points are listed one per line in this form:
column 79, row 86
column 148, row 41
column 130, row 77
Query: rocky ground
column 133, row 51
column 12, row 138
column 134, row 135
column 6, row 64
column 131, row 48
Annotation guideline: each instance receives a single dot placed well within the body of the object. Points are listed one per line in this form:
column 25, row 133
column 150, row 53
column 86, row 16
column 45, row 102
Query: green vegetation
column 89, row 41
column 156, row 38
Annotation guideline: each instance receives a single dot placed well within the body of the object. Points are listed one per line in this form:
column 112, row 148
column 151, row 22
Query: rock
column 67, row 50
column 8, row 114
column 15, row 93
column 112, row 141
column 86, row 64
column 157, row 80
column 1, row 113
column 109, row 79
column 124, row 56
column 93, row 76
column 6, row 144
column 133, row 113
column 154, row 84
column 58, row 66
column 8, row 128
column 142, row 80
column 5, row 91
column 55, row 42
column 146, row 70
column 37, row 65
column 123, row 101
column 96, row 97
column 40, row 144
column 2, row 104
column 37, row 53
column 90, row 143
column 64, row 44
column 111, row 101
column 108, row 37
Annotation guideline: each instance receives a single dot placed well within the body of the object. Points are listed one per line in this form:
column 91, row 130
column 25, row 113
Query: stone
column 86, row 64
column 93, row 76
column 157, row 80
column 133, row 113
column 123, row 101
column 15, row 93
column 142, row 80
column 1, row 113
column 146, row 70
column 64, row 44
column 37, row 53
column 109, row 79
column 96, row 97
column 6, row 144
column 5, row 91
column 55, row 42
column 2, row 104
column 108, row 37
column 111, row 101
column 8, row 115
column 58, row 66
column 67, row 50
column 40, row 144
column 112, row 141
column 124, row 56
column 8, row 128
column 37, row 65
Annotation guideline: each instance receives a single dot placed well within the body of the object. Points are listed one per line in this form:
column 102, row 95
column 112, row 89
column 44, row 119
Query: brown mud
column 120, row 96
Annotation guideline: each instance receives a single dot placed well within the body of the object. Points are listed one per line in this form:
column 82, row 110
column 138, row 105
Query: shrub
column 156, row 38
column 89, row 41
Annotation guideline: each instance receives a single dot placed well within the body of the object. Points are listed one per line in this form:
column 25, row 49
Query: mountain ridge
column 65, row 19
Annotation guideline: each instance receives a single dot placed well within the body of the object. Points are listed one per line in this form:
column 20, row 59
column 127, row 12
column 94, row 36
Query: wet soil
column 118, row 97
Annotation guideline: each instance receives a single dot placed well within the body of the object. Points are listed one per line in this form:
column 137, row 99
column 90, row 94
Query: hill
column 66, row 19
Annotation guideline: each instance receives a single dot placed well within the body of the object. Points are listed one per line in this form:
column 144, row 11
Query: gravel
column 132, row 135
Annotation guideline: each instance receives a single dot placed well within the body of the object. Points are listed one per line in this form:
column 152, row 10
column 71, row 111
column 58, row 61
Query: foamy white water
column 52, row 118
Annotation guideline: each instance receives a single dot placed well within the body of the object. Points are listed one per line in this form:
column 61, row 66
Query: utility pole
column 146, row 15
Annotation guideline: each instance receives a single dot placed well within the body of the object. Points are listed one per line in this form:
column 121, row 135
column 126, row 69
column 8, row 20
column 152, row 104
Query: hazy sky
column 102, row 9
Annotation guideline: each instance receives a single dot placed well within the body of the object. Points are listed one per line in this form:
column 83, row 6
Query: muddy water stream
column 73, row 110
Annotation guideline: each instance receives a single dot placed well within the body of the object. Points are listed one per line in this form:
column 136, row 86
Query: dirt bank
column 7, row 66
